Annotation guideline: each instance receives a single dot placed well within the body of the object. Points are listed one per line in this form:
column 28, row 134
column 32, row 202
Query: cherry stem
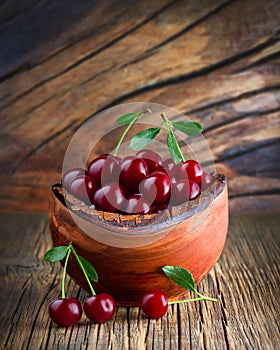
column 64, row 274
column 137, row 116
column 83, row 269
column 201, row 297
column 168, row 125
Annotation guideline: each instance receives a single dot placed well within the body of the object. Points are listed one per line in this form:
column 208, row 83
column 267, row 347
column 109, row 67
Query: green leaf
column 90, row 270
column 174, row 148
column 188, row 127
column 57, row 253
column 127, row 118
column 141, row 139
column 180, row 276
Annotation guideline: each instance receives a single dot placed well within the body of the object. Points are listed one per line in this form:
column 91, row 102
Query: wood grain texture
column 246, row 281
column 216, row 61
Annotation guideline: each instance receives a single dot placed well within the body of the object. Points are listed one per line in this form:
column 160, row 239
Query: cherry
column 133, row 171
column 109, row 198
column 191, row 170
column 154, row 303
column 100, row 308
column 156, row 187
column 65, row 311
column 160, row 207
column 184, row 190
column 94, row 168
column 152, row 159
column 83, row 187
column 136, row 204
column 111, row 170
column 206, row 180
column 70, row 175
column 169, row 164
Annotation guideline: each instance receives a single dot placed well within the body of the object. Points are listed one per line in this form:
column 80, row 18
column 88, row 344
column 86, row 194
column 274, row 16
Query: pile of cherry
column 140, row 184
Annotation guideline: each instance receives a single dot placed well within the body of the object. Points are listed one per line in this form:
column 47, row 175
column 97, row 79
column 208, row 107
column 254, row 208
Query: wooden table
column 246, row 281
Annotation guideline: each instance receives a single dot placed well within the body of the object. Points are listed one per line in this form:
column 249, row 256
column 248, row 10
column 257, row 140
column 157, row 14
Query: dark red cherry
column 110, row 198
column 206, row 180
column 65, row 311
column 169, row 164
column 133, row 171
column 111, row 170
column 136, row 204
column 100, row 308
column 160, row 207
column 184, row 190
column 94, row 169
column 83, row 187
column 156, row 187
column 70, row 175
column 191, row 170
column 154, row 303
column 152, row 159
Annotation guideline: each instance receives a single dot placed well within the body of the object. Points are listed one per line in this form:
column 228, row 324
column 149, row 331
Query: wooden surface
column 246, row 281
column 217, row 61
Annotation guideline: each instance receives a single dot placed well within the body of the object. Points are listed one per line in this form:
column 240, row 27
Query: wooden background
column 63, row 61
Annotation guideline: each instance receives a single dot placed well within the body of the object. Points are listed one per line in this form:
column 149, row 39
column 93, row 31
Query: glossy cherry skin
column 70, row 175
column 83, row 187
column 206, row 180
column 110, row 198
column 65, row 311
column 184, row 190
column 191, row 170
column 100, row 308
column 136, row 204
column 156, row 187
column 152, row 159
column 169, row 164
column 111, row 170
column 154, row 303
column 133, row 171
column 95, row 167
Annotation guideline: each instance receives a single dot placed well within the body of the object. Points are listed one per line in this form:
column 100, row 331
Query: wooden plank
column 246, row 281
column 218, row 63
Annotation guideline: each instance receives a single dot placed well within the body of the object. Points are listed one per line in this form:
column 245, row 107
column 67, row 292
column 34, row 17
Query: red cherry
column 169, row 164
column 133, row 171
column 70, row 175
column 152, row 159
column 65, row 311
column 109, row 198
column 184, row 190
column 100, row 308
column 83, row 187
column 156, row 187
column 111, row 170
column 94, row 169
column 190, row 170
column 154, row 303
column 136, row 204
column 206, row 180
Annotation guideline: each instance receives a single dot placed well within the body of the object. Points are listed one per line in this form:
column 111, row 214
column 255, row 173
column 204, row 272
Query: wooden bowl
column 191, row 236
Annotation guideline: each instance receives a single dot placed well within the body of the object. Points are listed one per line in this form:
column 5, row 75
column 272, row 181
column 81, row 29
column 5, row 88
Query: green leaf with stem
column 56, row 254
column 129, row 119
column 90, row 270
column 141, row 139
column 80, row 263
column 188, row 127
column 172, row 144
column 64, row 273
column 184, row 279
